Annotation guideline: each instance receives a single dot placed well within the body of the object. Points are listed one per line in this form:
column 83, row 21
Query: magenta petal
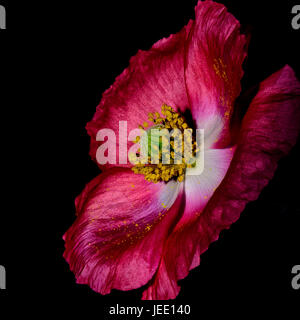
column 153, row 78
column 180, row 246
column 269, row 130
column 118, row 236
column 215, row 54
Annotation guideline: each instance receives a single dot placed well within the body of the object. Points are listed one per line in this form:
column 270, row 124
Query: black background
column 57, row 60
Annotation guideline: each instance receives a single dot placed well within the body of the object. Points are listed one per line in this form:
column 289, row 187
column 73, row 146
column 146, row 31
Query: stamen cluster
column 175, row 124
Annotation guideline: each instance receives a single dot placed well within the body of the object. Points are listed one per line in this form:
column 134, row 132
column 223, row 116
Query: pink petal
column 269, row 130
column 179, row 248
column 153, row 77
column 216, row 51
column 200, row 188
column 118, row 236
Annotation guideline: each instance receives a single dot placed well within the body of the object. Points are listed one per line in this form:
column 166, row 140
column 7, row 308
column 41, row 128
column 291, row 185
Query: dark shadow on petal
column 240, row 108
column 189, row 118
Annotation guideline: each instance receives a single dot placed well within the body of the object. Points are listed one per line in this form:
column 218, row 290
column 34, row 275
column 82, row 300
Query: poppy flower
column 138, row 228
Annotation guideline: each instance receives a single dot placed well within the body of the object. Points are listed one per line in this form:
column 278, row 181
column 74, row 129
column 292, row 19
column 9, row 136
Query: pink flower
column 130, row 232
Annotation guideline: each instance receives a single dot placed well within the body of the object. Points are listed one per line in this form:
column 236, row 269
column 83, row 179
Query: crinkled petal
column 116, row 241
column 153, row 78
column 269, row 130
column 215, row 53
column 179, row 249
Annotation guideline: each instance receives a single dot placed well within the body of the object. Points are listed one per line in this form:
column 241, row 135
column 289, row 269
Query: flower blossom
column 148, row 225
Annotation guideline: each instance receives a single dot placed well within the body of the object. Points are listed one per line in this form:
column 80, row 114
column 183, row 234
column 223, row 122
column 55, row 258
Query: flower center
column 168, row 145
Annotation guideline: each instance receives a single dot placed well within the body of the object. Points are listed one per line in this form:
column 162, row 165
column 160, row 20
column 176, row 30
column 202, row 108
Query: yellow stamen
column 172, row 170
